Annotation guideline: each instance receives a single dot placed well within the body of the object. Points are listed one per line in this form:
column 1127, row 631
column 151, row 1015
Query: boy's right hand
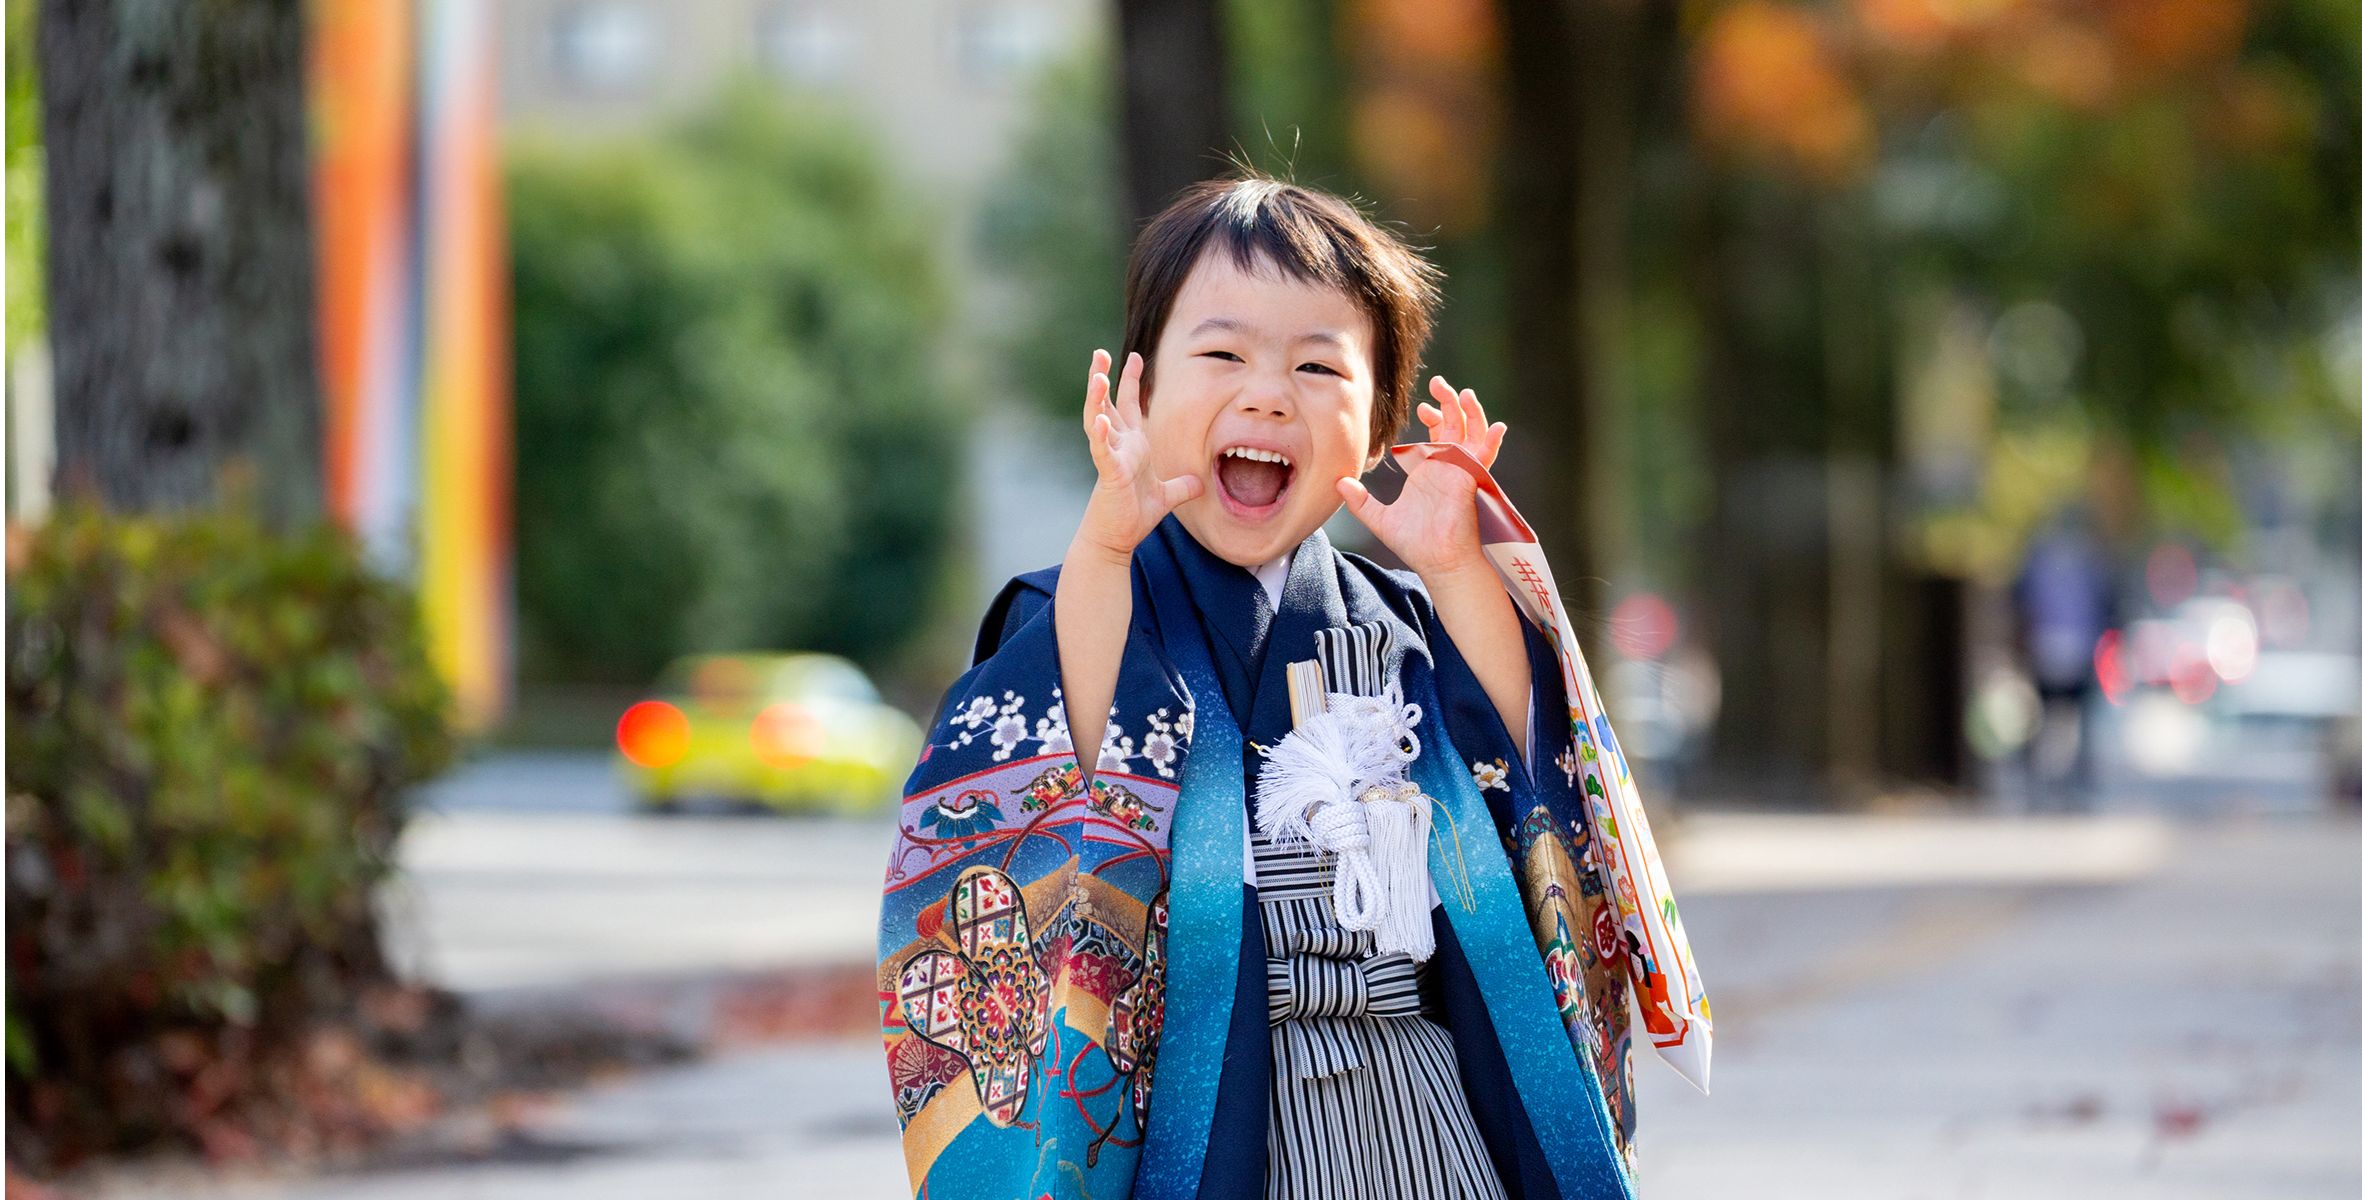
column 1129, row 499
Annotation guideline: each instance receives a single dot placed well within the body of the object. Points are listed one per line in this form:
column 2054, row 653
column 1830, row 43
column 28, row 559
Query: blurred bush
column 732, row 430
column 210, row 728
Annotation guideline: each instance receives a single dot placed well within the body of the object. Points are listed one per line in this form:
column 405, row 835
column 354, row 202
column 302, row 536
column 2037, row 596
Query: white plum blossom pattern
column 1004, row 722
column 1115, row 750
column 1162, row 746
column 1051, row 729
column 1494, row 774
column 977, row 718
column 1006, row 733
column 1566, row 763
column 1159, row 749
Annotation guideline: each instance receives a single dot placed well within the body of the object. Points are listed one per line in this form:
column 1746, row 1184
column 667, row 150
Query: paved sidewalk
column 1909, row 1007
column 2195, row 1033
column 492, row 900
column 801, row 1121
column 496, row 900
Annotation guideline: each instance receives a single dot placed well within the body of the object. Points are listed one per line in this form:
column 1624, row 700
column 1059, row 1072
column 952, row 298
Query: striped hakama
column 1366, row 1099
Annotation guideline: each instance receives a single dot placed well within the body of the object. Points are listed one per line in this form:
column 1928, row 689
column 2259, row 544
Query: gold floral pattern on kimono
column 990, row 1002
column 1137, row 1020
column 1576, row 932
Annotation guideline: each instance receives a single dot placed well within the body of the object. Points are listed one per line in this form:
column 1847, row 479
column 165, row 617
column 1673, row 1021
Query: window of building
column 804, row 43
column 1000, row 43
column 609, row 46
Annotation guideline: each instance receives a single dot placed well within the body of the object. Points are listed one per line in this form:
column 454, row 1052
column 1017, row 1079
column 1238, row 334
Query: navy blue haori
column 1084, row 993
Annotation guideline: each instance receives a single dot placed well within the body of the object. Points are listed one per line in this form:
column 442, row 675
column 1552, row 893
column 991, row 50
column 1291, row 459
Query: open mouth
column 1253, row 480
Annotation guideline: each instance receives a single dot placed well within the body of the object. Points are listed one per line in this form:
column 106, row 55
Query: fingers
column 1127, row 392
column 1358, row 501
column 1471, row 412
column 1453, row 423
column 1102, row 432
column 1432, row 415
column 1180, row 490
column 1437, row 388
column 1095, row 403
column 1095, row 390
column 1483, row 438
column 1458, row 417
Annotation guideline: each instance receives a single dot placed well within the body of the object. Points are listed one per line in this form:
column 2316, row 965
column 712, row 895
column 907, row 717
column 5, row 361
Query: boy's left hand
column 1431, row 526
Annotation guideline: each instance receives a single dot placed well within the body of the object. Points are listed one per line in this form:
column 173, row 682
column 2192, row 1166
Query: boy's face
column 1261, row 386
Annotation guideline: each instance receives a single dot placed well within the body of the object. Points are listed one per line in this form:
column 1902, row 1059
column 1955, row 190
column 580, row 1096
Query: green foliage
column 732, row 430
column 27, row 307
column 1290, row 89
column 210, row 729
column 2199, row 233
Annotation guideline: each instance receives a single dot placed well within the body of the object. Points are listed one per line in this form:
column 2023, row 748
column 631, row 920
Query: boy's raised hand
column 1431, row 526
column 1457, row 418
column 1129, row 499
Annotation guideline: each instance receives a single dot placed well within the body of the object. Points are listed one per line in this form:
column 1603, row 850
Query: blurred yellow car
column 794, row 732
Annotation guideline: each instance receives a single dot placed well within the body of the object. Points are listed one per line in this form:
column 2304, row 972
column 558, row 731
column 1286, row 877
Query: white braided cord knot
column 1337, row 782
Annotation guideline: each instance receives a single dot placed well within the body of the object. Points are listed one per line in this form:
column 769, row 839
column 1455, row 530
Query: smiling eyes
column 1316, row 368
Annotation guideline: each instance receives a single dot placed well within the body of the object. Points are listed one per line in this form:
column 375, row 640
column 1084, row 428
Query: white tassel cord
column 1336, row 782
column 1399, row 817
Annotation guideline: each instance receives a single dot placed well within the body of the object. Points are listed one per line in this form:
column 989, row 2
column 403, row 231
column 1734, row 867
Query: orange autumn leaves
column 1425, row 114
column 1800, row 87
column 1773, row 84
column 1803, row 87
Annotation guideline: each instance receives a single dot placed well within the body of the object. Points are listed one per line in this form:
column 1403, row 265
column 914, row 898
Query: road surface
column 2124, row 1005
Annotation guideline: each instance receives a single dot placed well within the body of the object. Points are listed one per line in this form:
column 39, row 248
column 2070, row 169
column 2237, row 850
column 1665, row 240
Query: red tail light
column 652, row 734
column 2107, row 662
column 785, row 734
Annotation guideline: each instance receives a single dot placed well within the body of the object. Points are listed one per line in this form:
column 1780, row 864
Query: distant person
column 2064, row 600
column 1110, row 969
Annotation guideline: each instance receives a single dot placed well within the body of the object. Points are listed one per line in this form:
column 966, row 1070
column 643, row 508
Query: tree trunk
column 1176, row 116
column 1764, row 582
column 180, row 253
column 1573, row 74
column 1541, row 188
column 1858, row 470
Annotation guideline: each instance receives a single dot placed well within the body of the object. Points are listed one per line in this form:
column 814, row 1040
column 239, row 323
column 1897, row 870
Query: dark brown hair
column 1265, row 223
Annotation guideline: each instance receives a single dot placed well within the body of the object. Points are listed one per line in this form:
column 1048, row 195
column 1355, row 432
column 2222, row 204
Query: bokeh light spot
column 653, row 734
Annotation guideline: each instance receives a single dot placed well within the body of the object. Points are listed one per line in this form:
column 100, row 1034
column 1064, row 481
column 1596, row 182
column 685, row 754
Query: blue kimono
column 1076, row 993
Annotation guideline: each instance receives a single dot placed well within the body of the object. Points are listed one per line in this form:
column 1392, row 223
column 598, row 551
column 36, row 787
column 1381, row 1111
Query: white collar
column 1273, row 576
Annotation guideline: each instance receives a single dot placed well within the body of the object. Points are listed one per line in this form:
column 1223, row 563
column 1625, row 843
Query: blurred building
column 945, row 82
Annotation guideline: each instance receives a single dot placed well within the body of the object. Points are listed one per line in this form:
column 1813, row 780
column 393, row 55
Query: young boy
column 1117, row 973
